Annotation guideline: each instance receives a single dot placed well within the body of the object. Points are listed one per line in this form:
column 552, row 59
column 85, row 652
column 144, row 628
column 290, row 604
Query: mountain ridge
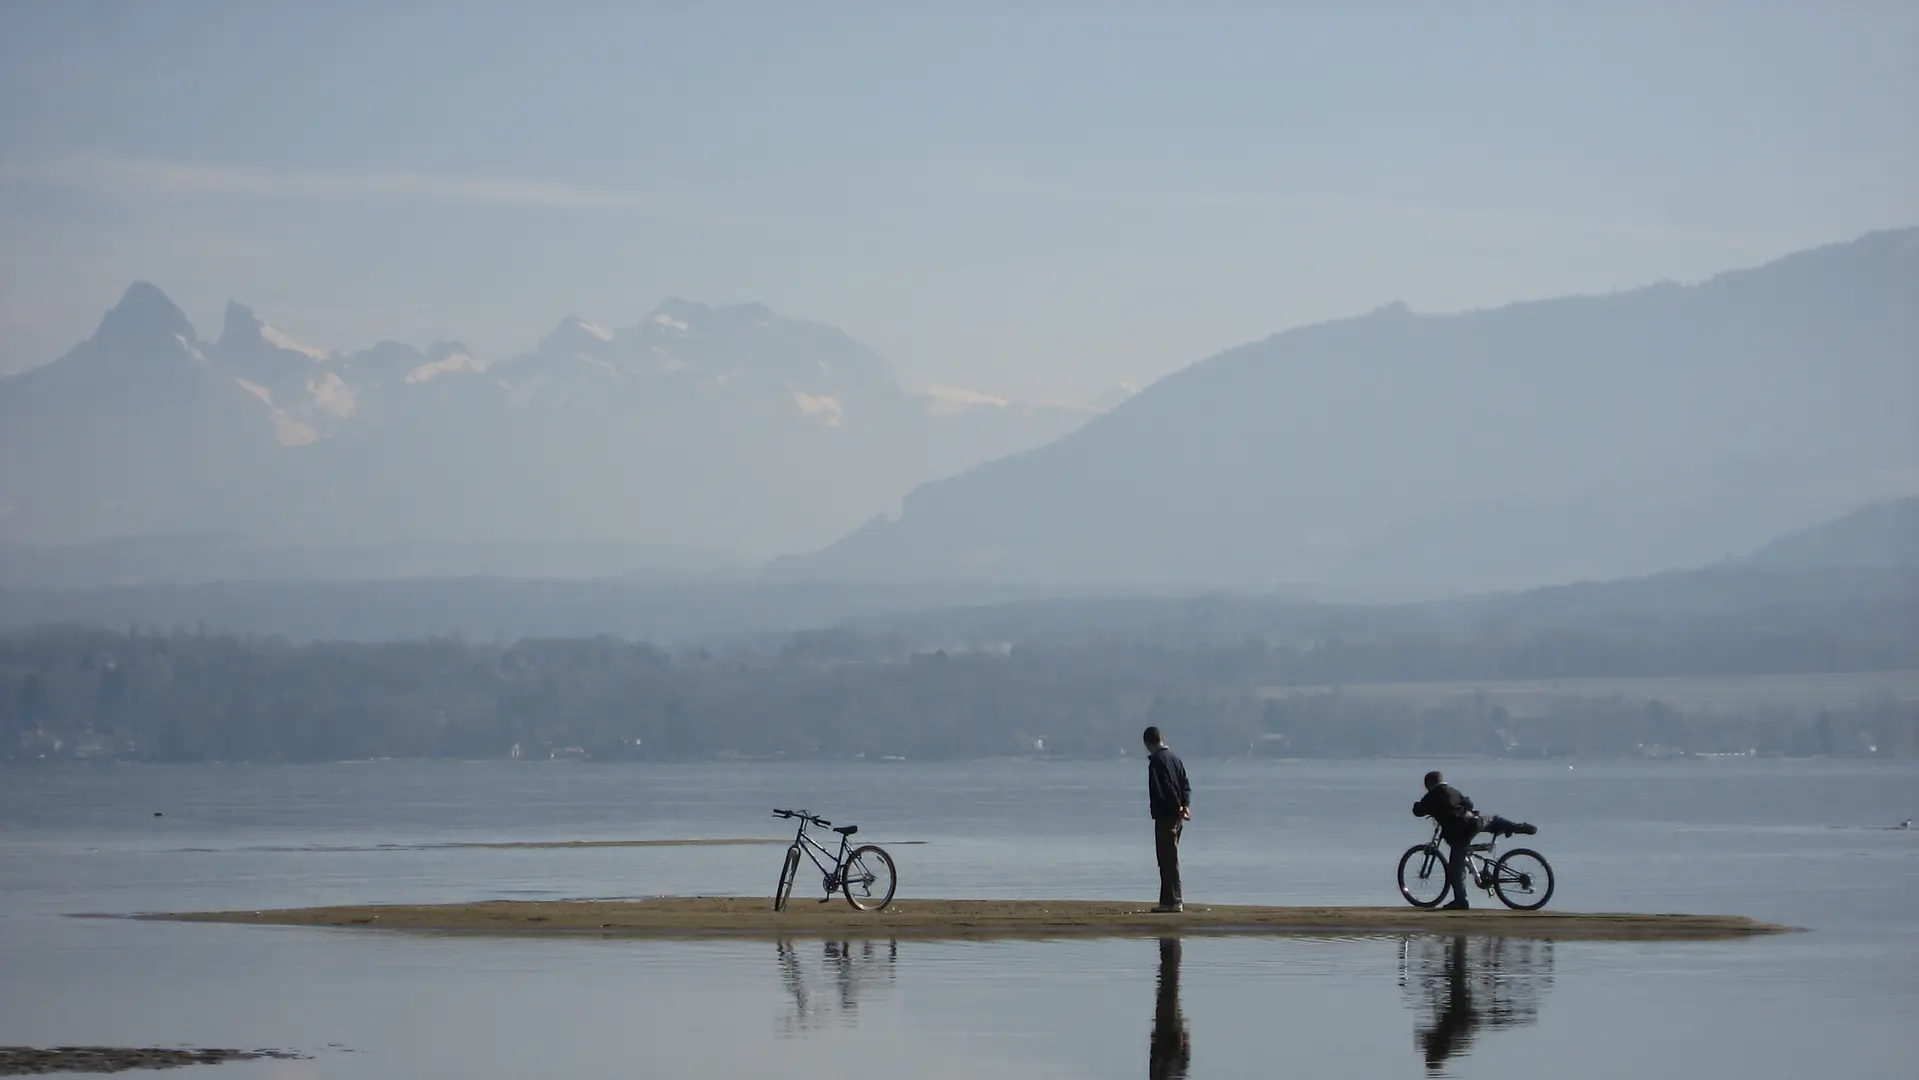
column 1282, row 459
column 723, row 427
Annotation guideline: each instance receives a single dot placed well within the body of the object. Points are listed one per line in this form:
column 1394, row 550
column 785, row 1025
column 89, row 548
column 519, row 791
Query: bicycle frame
column 814, row 849
column 1520, row 877
column 1479, row 859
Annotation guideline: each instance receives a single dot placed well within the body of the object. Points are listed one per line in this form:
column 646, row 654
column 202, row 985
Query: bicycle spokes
column 1523, row 879
column 868, row 878
column 1422, row 875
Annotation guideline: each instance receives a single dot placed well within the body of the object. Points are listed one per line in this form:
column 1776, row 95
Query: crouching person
column 1458, row 824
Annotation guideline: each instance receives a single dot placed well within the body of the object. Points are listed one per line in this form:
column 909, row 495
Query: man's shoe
column 1457, row 905
column 1170, row 909
column 1528, row 830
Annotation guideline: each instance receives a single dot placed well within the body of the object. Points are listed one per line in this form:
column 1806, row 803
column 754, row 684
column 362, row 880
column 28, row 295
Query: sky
column 1038, row 203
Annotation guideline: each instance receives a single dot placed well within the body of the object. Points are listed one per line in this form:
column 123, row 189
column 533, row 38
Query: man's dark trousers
column 1456, row 848
column 1166, row 846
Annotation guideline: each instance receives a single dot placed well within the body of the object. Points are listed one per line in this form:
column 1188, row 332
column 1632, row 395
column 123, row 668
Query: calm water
column 1803, row 843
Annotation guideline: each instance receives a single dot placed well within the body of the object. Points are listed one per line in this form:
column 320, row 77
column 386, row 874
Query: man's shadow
column 1171, row 1050
column 1464, row 985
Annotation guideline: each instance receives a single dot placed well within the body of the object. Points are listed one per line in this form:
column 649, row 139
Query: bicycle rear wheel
column 788, row 871
column 868, row 878
column 1422, row 876
column 1523, row 879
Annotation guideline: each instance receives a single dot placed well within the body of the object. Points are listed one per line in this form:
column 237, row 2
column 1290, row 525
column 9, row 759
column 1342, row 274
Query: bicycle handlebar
column 820, row 821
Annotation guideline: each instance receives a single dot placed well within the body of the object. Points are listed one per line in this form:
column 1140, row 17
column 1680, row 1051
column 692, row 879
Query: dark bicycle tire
column 857, row 858
column 788, row 871
column 1438, row 865
column 1504, row 875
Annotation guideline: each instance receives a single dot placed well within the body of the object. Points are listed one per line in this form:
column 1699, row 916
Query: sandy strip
column 32, row 1061
column 934, row 919
column 504, row 844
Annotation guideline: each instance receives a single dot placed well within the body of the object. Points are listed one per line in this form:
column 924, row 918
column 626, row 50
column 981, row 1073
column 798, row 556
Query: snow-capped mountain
column 728, row 428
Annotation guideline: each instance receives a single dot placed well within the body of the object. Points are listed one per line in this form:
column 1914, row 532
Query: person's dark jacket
column 1166, row 786
column 1450, row 807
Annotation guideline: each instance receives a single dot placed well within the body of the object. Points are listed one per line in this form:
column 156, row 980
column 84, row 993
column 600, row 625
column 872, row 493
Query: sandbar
column 35, row 1061
column 694, row 917
column 510, row 844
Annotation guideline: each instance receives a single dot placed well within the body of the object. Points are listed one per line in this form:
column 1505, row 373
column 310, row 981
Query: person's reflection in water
column 1455, row 1021
column 1472, row 983
column 1172, row 1047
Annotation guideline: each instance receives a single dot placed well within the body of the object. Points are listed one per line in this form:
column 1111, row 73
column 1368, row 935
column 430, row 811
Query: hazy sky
column 1041, row 205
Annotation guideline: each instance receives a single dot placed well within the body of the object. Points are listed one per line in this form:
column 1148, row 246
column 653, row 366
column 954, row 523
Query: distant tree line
column 77, row 692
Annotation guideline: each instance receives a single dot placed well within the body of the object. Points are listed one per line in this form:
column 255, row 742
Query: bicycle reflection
column 1464, row 985
column 1170, row 1052
column 829, row 992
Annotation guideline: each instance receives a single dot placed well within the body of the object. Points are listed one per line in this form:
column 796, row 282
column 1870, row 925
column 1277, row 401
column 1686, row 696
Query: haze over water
column 1804, row 843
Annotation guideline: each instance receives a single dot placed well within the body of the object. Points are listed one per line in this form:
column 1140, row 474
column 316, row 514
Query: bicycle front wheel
column 1523, row 879
column 788, row 871
column 1422, row 876
column 868, row 878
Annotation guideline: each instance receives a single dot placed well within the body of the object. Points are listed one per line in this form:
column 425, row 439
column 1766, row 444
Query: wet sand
column 960, row 919
column 33, row 1061
column 509, row 844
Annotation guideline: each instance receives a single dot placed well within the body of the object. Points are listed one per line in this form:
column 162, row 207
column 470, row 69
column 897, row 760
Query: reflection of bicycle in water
column 864, row 874
column 1521, row 878
column 854, row 969
column 1464, row 985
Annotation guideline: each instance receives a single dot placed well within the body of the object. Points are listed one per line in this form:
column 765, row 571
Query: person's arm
column 1185, row 789
column 1420, row 809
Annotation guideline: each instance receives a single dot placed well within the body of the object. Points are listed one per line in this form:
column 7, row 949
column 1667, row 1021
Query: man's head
column 1433, row 780
column 1152, row 737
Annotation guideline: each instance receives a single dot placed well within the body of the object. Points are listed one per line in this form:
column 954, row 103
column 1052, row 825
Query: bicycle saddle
column 847, row 830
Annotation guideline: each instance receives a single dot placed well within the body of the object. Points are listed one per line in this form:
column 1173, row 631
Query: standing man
column 1168, row 794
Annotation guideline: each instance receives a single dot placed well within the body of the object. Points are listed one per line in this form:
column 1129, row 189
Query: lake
column 1808, row 843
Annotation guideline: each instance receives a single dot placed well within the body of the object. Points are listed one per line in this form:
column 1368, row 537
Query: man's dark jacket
column 1450, row 807
column 1166, row 786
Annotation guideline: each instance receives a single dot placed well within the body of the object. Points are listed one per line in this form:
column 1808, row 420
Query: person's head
column 1433, row 780
column 1152, row 737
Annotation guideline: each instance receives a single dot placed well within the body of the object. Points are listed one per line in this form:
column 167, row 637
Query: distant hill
column 1881, row 535
column 1845, row 579
column 667, row 610
column 201, row 558
column 1819, row 607
column 1404, row 455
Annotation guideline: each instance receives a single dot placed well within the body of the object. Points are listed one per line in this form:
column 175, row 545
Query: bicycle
column 865, row 875
column 1521, row 878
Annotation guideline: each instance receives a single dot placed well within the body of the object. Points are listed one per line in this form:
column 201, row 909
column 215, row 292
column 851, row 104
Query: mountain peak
column 245, row 331
column 242, row 325
column 145, row 312
column 575, row 335
column 677, row 314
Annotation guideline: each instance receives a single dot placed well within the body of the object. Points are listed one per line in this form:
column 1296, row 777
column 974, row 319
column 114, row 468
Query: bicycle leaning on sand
column 865, row 874
column 1521, row 878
